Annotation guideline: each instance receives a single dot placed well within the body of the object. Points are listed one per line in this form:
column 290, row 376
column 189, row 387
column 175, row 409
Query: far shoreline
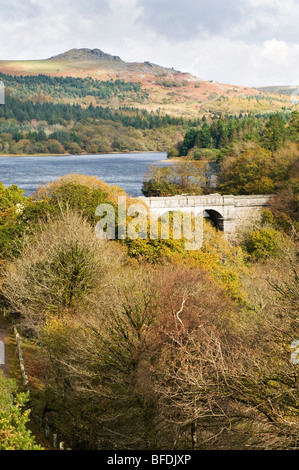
column 77, row 154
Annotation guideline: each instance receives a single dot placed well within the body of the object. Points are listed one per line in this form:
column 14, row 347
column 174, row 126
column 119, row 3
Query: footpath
column 3, row 349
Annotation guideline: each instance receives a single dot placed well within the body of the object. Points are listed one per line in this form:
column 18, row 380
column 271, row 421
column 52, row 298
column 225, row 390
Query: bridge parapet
column 215, row 200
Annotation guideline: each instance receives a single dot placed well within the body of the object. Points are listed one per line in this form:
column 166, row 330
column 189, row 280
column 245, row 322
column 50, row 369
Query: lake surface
column 124, row 170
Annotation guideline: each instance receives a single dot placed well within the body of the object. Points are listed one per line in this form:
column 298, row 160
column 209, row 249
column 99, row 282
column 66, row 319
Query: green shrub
column 10, row 196
column 62, row 268
column 262, row 244
column 13, row 418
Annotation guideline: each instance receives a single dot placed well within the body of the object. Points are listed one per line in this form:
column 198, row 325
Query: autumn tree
column 249, row 173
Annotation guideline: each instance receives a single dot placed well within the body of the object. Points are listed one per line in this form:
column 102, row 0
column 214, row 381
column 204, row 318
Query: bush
column 78, row 198
column 262, row 244
column 61, row 269
column 10, row 197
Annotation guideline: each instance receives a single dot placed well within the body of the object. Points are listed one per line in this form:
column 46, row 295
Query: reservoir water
column 124, row 170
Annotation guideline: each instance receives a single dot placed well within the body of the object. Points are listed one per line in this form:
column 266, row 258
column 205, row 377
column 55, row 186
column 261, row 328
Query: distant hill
column 161, row 88
column 86, row 55
column 278, row 90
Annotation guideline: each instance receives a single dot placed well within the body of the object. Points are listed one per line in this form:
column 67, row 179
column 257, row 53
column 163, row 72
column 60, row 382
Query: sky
column 241, row 42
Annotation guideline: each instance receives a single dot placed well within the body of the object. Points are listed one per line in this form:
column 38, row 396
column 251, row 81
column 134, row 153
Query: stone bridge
column 227, row 212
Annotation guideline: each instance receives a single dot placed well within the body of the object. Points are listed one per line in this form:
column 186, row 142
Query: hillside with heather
column 159, row 88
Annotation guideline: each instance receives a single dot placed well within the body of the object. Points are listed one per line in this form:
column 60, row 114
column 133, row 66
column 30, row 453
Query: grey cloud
column 90, row 8
column 266, row 22
column 19, row 10
column 27, row 9
column 186, row 19
column 189, row 19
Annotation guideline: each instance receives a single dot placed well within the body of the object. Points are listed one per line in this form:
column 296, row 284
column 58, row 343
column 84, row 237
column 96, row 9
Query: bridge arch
column 215, row 218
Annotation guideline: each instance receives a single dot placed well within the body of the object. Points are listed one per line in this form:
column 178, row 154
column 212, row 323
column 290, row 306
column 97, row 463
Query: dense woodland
column 44, row 87
column 47, row 128
column 269, row 131
column 140, row 344
column 57, row 113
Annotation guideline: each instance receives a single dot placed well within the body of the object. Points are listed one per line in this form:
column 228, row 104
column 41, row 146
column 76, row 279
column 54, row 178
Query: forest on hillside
column 45, row 87
column 57, row 115
column 47, row 128
column 28, row 128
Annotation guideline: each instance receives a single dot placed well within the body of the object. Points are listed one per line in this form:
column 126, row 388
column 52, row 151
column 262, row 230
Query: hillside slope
column 173, row 92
